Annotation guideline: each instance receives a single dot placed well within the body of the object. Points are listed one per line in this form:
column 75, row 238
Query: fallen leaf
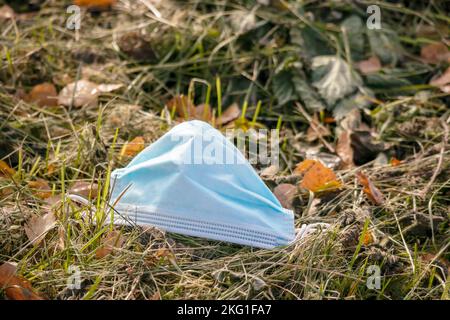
column 269, row 171
column 203, row 112
column 40, row 188
column 6, row 170
column 231, row 113
column 435, row 53
column 6, row 12
column 367, row 238
column 97, row 4
column 336, row 79
column 316, row 177
column 182, row 106
column 133, row 147
column 442, row 80
column 285, row 193
column 113, row 240
column 344, row 149
column 371, row 65
column 372, row 192
column 134, row 45
column 37, row 227
column 395, row 162
column 84, row 93
column 316, row 130
column 15, row 287
column 87, row 190
column 44, row 95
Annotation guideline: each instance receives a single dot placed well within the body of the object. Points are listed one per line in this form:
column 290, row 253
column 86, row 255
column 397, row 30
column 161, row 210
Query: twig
column 308, row 117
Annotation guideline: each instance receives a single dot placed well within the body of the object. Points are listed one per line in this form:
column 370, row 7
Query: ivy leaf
column 385, row 44
column 334, row 78
column 283, row 88
column 354, row 30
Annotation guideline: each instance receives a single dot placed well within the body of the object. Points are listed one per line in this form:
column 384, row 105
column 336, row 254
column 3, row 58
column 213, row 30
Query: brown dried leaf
column 370, row 65
column 38, row 226
column 231, row 113
column 6, row 12
column 84, row 93
column 270, row 171
column 285, row 193
column 87, row 190
column 317, row 177
column 113, row 240
column 442, row 81
column 40, row 188
column 44, row 95
column 184, row 108
column 372, row 192
column 203, row 112
column 344, row 149
column 435, row 53
column 16, row 288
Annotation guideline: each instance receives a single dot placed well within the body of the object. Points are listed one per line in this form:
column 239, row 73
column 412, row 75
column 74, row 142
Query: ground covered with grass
column 371, row 105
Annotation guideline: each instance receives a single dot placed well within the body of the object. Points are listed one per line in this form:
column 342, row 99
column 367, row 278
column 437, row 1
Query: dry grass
column 201, row 41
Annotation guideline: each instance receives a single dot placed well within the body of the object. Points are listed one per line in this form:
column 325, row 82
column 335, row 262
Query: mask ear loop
column 307, row 229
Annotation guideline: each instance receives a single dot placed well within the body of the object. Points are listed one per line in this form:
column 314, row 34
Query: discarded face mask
column 185, row 183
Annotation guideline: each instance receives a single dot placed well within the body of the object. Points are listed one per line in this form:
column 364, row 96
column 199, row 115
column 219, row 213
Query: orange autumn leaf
column 44, row 95
column 317, row 177
column 371, row 191
column 6, row 170
column 395, row 162
column 94, row 3
column 15, row 287
column 367, row 238
column 40, row 188
column 304, row 166
column 133, row 147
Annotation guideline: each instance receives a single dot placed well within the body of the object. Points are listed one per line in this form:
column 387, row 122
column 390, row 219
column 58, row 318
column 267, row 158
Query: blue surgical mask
column 194, row 181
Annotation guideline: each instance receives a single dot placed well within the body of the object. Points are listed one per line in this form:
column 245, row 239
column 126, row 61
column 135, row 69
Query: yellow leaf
column 6, row 170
